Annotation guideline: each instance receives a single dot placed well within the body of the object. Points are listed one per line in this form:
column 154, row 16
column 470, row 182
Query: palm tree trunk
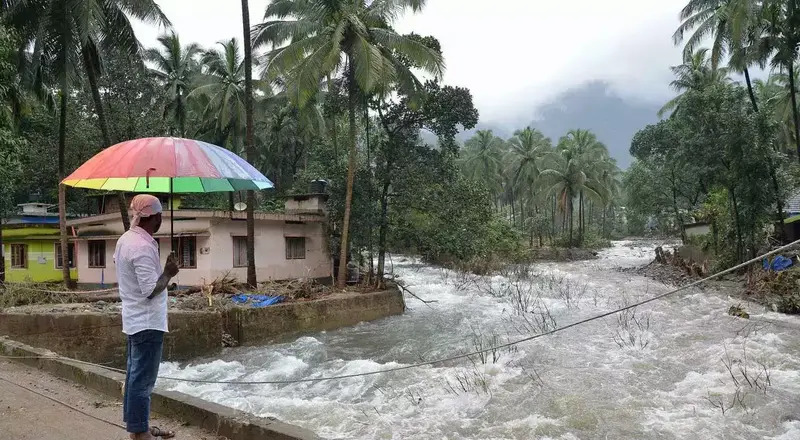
column 252, row 279
column 793, row 93
column 62, row 196
column 531, row 235
column 677, row 212
column 351, row 170
column 513, row 207
column 778, row 201
column 553, row 231
column 737, row 223
column 2, row 254
column 180, row 114
column 332, row 123
column 603, row 227
column 91, row 73
column 750, row 90
column 580, row 218
column 571, row 222
column 370, row 195
column 384, row 219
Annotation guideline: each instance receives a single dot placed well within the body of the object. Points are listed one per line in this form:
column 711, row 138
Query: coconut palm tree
column 734, row 27
column 220, row 94
column 779, row 45
column 175, row 67
column 572, row 172
column 289, row 133
column 525, row 152
column 609, row 178
column 312, row 39
column 482, row 160
column 695, row 73
column 588, row 152
column 526, row 149
column 70, row 36
column 776, row 100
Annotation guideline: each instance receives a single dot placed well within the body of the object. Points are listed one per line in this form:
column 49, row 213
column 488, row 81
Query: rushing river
column 678, row 368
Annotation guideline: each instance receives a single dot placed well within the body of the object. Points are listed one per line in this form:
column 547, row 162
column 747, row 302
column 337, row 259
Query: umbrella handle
column 147, row 178
column 171, row 219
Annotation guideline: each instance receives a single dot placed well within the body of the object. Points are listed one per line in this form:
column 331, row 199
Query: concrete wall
column 697, row 229
column 99, row 276
column 271, row 262
column 97, row 337
column 270, row 324
column 310, row 204
column 215, row 251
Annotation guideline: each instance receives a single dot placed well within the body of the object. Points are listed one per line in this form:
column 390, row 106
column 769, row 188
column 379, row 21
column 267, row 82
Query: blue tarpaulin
column 778, row 264
column 256, row 300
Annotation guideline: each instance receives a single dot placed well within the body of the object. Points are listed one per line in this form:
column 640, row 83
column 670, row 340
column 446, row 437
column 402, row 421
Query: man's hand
column 171, row 268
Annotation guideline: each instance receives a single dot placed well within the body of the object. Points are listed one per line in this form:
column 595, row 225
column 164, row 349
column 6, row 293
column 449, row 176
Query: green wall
column 41, row 261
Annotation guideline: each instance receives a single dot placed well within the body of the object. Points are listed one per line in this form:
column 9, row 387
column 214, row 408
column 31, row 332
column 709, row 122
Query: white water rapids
column 658, row 373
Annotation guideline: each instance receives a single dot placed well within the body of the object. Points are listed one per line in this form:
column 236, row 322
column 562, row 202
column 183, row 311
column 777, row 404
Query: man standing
column 143, row 291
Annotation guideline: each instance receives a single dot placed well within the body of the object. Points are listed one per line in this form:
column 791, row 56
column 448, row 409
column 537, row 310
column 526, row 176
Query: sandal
column 155, row 431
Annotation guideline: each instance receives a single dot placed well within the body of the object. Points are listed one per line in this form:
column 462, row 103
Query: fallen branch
column 91, row 298
column 405, row 289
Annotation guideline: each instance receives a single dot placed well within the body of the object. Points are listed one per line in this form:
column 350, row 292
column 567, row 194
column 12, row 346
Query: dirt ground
column 24, row 415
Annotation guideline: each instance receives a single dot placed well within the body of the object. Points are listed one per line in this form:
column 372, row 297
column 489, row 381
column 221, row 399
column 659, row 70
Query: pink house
column 210, row 243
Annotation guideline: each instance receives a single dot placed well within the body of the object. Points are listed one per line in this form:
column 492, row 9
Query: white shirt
column 138, row 270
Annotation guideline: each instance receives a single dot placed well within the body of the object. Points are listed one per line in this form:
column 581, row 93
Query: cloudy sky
column 512, row 54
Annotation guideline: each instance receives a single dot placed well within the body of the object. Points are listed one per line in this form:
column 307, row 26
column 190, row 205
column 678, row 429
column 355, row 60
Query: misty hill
column 592, row 106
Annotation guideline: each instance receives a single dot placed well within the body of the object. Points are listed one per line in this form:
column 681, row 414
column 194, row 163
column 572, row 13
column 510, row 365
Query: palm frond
column 420, row 55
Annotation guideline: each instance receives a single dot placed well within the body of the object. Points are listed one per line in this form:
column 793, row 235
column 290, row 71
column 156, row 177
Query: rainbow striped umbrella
column 167, row 164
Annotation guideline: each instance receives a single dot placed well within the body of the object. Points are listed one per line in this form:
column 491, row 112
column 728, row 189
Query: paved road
column 25, row 415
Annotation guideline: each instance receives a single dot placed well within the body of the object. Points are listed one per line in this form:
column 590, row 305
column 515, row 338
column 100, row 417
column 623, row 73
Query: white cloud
column 512, row 54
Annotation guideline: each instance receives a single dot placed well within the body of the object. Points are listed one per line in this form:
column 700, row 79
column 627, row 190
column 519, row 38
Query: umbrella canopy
column 167, row 164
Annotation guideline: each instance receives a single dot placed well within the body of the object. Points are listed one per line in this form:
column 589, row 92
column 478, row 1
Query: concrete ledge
column 228, row 422
column 97, row 337
column 251, row 326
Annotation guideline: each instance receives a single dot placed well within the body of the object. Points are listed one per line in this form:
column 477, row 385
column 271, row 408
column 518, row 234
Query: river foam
column 659, row 374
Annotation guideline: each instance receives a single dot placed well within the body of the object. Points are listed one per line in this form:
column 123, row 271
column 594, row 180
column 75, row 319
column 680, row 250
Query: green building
column 31, row 249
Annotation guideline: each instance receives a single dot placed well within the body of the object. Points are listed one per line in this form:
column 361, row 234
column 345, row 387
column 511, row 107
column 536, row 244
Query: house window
column 186, row 249
column 295, row 248
column 70, row 254
column 239, row 251
column 97, row 253
column 19, row 256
